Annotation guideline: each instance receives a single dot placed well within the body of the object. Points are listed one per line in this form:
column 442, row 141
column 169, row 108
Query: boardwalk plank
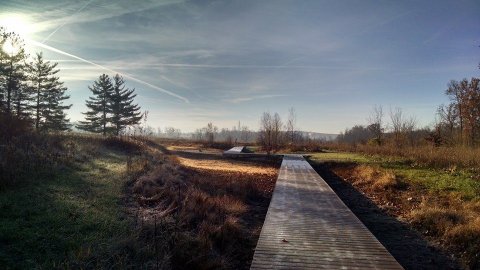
column 308, row 227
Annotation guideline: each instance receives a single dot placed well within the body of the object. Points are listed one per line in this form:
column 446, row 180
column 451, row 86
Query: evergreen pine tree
column 98, row 116
column 14, row 93
column 48, row 94
column 124, row 112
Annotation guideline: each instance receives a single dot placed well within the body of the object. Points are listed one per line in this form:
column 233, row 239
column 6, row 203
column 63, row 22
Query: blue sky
column 227, row 61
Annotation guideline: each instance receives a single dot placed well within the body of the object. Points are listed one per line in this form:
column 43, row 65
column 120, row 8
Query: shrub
column 377, row 178
column 435, row 221
column 465, row 238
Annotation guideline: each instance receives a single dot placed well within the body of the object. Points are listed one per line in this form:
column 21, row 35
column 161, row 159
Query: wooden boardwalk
column 236, row 150
column 308, row 227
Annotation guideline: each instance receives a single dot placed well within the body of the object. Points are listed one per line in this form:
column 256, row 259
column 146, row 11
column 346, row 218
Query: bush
column 375, row 177
column 435, row 221
column 456, row 224
column 465, row 238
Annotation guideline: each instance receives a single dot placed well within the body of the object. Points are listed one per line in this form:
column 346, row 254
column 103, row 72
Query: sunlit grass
column 461, row 181
column 340, row 157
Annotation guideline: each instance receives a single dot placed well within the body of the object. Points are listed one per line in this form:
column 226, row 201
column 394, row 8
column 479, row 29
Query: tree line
column 33, row 96
column 400, row 131
column 211, row 133
column 275, row 134
column 457, row 123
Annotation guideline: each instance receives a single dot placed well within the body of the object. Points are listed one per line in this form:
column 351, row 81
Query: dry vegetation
column 87, row 202
column 444, row 217
column 211, row 210
column 222, row 165
column 454, row 222
column 426, row 155
column 376, row 178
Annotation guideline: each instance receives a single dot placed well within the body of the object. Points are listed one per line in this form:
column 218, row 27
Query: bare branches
column 291, row 125
column 375, row 121
column 270, row 132
column 402, row 127
column 464, row 109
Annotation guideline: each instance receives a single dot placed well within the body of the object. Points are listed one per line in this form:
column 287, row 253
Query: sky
column 194, row 62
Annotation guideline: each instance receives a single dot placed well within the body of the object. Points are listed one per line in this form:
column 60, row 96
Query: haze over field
column 222, row 61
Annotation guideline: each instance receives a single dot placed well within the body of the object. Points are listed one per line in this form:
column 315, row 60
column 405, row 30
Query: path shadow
column 408, row 247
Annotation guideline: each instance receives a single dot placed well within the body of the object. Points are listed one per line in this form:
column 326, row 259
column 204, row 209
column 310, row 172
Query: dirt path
column 406, row 245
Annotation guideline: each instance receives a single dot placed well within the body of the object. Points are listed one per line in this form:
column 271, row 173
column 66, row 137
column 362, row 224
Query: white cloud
column 245, row 99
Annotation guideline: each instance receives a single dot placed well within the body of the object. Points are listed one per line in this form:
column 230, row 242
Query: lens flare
column 10, row 48
column 21, row 25
column 17, row 23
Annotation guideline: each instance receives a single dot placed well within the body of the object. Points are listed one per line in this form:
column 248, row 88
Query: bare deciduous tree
column 171, row 132
column 270, row 132
column 245, row 134
column 408, row 128
column 397, row 122
column 265, row 132
column 210, row 131
column 402, row 127
column 448, row 121
column 465, row 96
column 277, row 131
column 291, row 124
column 375, row 121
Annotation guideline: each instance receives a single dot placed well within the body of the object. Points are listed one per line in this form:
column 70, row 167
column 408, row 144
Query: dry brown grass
column 443, row 217
column 444, row 208
column 227, row 166
column 375, row 177
column 466, row 239
column 438, row 157
column 216, row 208
column 456, row 224
column 184, row 147
column 436, row 221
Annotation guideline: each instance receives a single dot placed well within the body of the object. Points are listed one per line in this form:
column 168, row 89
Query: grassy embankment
column 90, row 202
column 69, row 215
column 443, row 203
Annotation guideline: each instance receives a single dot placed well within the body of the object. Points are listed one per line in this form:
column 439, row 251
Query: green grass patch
column 340, row 157
column 68, row 217
column 461, row 181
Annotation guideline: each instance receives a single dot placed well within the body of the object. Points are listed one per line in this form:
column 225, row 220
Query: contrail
column 187, row 66
column 66, row 21
column 36, row 43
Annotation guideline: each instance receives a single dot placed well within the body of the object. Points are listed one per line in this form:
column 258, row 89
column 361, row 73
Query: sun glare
column 17, row 23
column 21, row 25
column 10, row 48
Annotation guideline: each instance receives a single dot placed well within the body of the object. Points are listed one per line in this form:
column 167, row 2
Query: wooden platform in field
column 308, row 227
